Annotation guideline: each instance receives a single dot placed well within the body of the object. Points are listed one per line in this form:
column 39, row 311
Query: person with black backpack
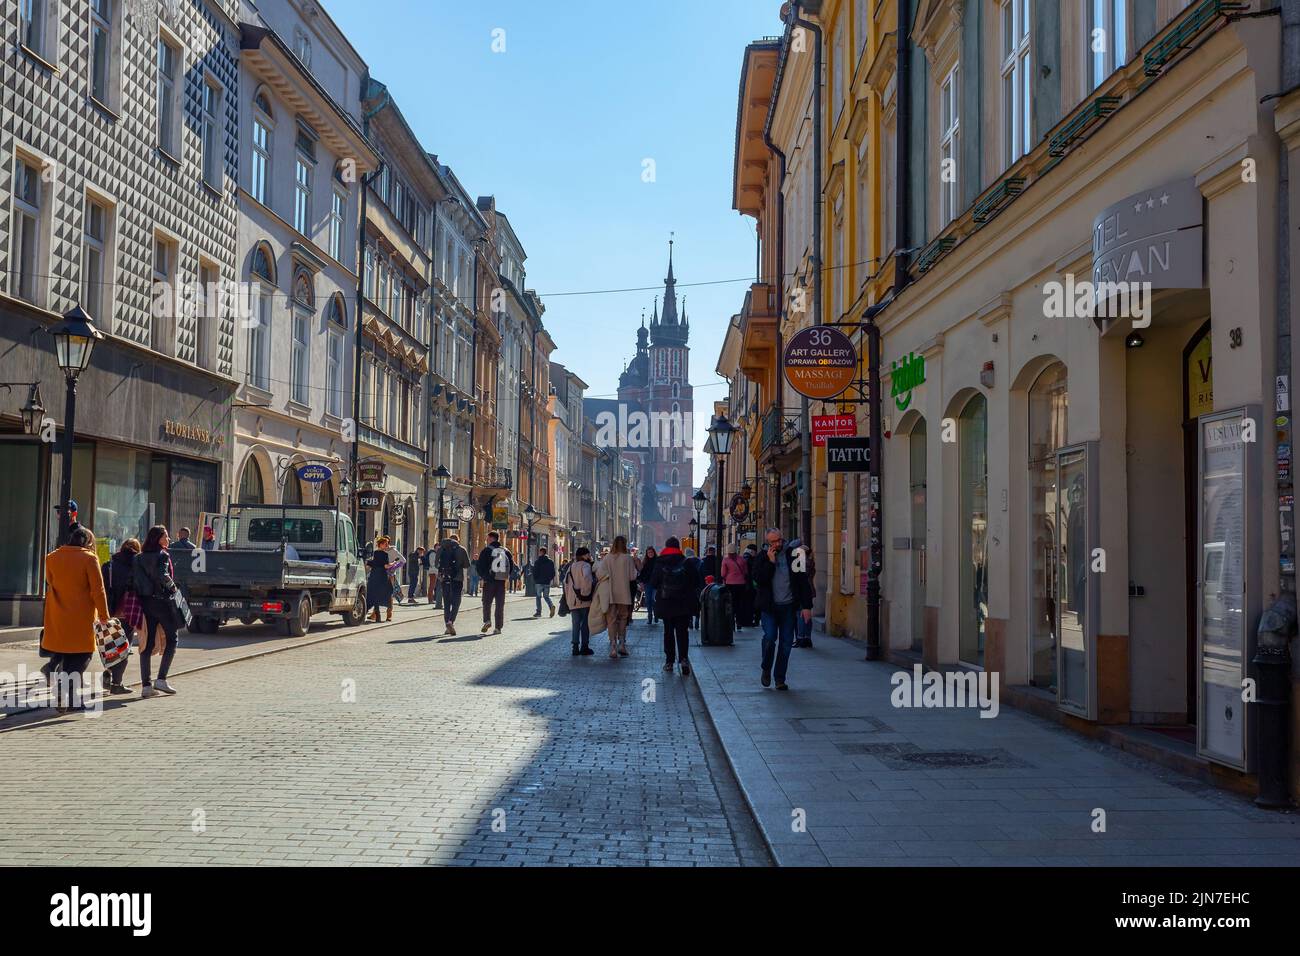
column 453, row 562
column 494, row 564
column 677, row 585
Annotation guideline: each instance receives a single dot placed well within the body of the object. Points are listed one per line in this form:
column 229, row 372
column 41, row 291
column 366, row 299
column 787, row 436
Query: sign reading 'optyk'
column 820, row 362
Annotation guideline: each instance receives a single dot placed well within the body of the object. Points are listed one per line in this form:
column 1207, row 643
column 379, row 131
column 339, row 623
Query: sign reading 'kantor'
column 820, row 362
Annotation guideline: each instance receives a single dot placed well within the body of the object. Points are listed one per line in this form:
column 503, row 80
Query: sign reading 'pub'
column 848, row 454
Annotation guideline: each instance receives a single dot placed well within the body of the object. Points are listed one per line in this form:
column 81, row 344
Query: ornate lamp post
column 700, row 501
column 721, row 432
column 695, row 530
column 440, row 478
column 74, row 340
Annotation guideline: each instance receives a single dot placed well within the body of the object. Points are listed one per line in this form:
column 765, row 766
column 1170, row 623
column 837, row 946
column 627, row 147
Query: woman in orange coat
column 74, row 598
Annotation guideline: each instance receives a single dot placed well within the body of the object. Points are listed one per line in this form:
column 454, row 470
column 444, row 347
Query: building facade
column 118, row 175
column 302, row 158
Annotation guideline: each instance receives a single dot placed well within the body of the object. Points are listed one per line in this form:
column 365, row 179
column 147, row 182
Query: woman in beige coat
column 616, row 574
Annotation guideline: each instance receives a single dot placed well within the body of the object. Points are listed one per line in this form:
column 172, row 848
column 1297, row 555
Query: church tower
column 669, row 399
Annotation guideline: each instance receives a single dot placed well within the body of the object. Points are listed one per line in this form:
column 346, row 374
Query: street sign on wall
column 820, row 362
column 825, row 426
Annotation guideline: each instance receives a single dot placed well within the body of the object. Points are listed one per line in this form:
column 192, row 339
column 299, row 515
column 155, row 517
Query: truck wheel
column 357, row 612
column 301, row 620
column 206, row 625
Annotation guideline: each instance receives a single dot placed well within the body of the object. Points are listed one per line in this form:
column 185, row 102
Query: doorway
column 973, row 515
column 917, row 496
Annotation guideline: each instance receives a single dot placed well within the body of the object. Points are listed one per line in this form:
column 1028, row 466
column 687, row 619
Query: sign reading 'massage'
column 820, row 362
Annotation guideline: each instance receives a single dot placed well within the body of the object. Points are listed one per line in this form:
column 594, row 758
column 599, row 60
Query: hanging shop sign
column 370, row 500
column 1153, row 236
column 825, row 426
column 370, row 472
column 905, row 376
column 739, row 509
column 820, row 362
column 848, row 454
column 316, row 474
column 465, row 513
column 500, row 517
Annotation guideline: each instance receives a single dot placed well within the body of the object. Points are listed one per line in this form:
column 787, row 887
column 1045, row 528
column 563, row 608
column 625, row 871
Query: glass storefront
column 1072, row 577
column 1048, row 407
column 973, row 514
column 21, row 467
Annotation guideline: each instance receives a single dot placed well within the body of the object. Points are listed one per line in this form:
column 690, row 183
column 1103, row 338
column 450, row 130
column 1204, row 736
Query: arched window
column 303, row 294
column 325, row 496
column 263, row 264
column 337, row 311
column 677, row 390
column 262, row 270
column 250, row 484
column 677, row 408
column 292, row 493
column 973, row 515
column 675, row 476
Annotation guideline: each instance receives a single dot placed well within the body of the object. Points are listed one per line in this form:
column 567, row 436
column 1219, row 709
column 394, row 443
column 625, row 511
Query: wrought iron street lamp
column 721, row 432
column 440, row 478
column 33, row 412
column 74, row 340
column 695, row 530
column 531, row 515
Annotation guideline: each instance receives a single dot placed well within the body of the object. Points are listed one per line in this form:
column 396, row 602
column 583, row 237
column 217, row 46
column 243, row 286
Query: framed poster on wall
column 1227, row 569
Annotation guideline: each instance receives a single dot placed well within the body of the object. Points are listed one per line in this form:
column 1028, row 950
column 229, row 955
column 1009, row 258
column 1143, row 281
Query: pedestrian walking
column 379, row 580
column 784, row 593
column 803, row 623
column 579, row 592
column 735, row 575
column 74, row 600
column 617, row 573
column 152, row 575
column 696, row 567
column 453, row 562
column 677, row 586
column 415, row 565
column 124, row 604
column 395, row 564
column 473, row 580
column 514, row 574
column 646, row 580
column 494, row 565
column 543, row 578
column 751, row 596
column 709, row 563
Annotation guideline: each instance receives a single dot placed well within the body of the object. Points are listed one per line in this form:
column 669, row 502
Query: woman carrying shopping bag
column 163, row 613
column 119, row 574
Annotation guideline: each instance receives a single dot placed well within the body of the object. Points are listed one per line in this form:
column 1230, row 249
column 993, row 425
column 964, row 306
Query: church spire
column 670, row 291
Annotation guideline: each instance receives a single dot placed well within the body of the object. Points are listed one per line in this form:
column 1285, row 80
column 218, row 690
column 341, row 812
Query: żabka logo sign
column 77, row 909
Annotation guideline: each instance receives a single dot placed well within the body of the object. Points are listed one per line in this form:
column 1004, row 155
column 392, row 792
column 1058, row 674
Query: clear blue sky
column 557, row 127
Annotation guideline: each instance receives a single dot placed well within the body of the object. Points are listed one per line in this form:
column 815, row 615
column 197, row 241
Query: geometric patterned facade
column 46, row 111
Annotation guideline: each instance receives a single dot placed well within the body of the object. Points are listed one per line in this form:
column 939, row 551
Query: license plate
column 226, row 604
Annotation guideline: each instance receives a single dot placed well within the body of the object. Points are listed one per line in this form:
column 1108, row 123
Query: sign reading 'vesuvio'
column 820, row 362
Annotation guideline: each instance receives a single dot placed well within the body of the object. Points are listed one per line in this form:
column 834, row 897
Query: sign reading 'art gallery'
column 820, row 362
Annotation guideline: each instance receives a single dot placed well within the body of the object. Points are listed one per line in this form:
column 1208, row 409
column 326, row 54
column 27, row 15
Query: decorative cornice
column 995, row 310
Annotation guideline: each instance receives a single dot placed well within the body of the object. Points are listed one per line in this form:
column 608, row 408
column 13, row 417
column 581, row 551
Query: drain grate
column 911, row 757
column 839, row 725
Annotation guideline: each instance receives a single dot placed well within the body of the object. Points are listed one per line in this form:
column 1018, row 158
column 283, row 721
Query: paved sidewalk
column 885, row 786
column 232, row 642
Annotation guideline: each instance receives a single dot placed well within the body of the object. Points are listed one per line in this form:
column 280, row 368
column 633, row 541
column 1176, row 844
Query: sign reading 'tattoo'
column 820, row 362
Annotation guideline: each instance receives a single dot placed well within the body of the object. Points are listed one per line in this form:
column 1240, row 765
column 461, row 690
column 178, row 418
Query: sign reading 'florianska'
column 820, row 362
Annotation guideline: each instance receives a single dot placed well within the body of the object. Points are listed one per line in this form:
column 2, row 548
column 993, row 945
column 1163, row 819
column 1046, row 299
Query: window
column 34, row 27
column 206, row 314
column 949, row 142
column 211, row 134
column 94, row 247
column 367, row 391
column 169, row 62
column 261, row 167
column 334, row 374
column 837, row 76
column 101, row 51
column 338, row 207
column 259, row 332
column 860, row 24
column 1016, row 92
column 298, row 362
column 304, row 165
column 1107, row 39
column 166, row 254
column 27, row 221
column 250, row 484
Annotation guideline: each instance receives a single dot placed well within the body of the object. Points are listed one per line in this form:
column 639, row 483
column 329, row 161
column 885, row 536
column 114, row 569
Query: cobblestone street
column 477, row 749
